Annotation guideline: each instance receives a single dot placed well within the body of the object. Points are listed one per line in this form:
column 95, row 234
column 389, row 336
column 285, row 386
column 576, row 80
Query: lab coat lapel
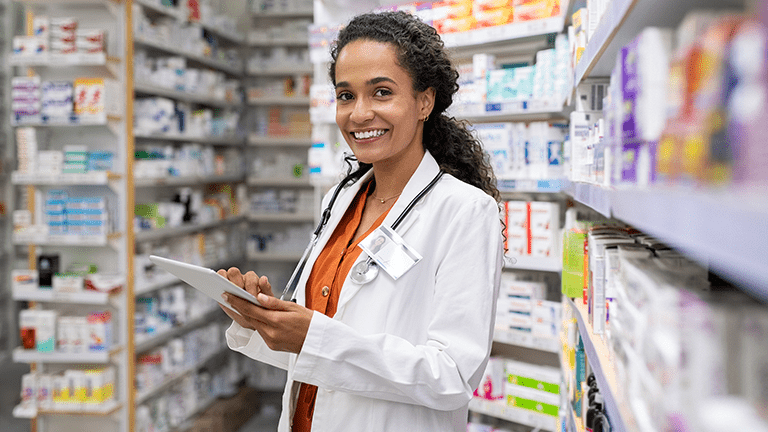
column 337, row 212
column 426, row 171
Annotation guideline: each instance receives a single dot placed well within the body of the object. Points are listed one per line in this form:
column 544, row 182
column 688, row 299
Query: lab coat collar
column 425, row 172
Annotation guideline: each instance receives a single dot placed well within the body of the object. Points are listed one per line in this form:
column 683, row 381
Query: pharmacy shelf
column 162, row 233
column 78, row 60
column 309, row 13
column 274, row 257
column 549, row 264
column 276, row 100
column 21, row 355
column 573, row 424
column 256, row 41
column 51, row 296
column 280, row 182
column 715, row 228
column 174, row 378
column 622, row 22
column 530, row 186
column 187, row 181
column 73, row 120
column 598, row 355
column 513, row 414
column 224, row 140
column 152, row 90
column 278, row 141
column 520, row 111
column 506, row 32
column 222, row 34
column 159, row 9
column 527, row 340
column 48, row 179
column 76, row 240
column 146, row 343
column 105, row 409
column 186, row 423
column 279, row 71
column 143, row 41
column 281, row 217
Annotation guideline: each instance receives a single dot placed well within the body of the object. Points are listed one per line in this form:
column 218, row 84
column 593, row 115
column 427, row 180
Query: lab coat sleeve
column 443, row 372
column 250, row 343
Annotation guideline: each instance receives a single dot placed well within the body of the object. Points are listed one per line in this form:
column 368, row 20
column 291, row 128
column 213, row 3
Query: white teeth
column 368, row 134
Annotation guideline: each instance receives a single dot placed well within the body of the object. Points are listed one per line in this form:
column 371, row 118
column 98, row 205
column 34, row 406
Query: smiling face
column 377, row 110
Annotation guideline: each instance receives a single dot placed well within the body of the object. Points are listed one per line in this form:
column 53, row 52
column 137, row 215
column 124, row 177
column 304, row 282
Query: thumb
column 272, row 303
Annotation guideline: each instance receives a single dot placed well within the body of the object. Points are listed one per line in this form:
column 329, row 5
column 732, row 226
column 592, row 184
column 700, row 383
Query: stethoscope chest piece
column 364, row 272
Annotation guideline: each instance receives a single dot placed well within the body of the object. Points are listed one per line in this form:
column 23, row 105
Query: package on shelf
column 533, row 376
column 533, row 400
column 281, row 201
column 26, row 100
column 70, row 390
column 73, row 334
column 24, row 280
column 29, row 46
column 532, row 228
column 278, row 6
column 26, row 149
column 38, row 329
column 492, row 384
column 278, row 57
column 283, row 240
column 293, row 86
column 279, row 164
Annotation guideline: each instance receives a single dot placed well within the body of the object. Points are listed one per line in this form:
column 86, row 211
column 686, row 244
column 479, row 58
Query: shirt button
column 326, row 291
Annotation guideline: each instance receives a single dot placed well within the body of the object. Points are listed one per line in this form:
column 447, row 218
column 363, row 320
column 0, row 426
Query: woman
column 397, row 353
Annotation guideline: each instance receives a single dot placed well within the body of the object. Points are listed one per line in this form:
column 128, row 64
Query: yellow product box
column 482, row 5
column 494, row 17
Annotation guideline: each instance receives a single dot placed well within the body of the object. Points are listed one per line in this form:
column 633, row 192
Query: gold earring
column 426, row 118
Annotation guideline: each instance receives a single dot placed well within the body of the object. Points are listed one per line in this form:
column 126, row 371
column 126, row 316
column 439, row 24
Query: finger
column 247, row 309
column 235, row 317
column 265, row 286
column 274, row 303
column 251, row 282
column 234, row 276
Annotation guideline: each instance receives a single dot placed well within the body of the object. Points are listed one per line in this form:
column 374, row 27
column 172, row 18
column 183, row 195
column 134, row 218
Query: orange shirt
column 324, row 286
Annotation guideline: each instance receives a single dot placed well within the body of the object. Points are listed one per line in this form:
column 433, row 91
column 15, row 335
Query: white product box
column 544, row 245
column 512, row 287
column 545, row 217
column 29, row 389
column 514, row 304
column 517, row 244
column 546, row 311
column 68, row 283
column 99, row 331
column 517, row 214
column 79, row 334
column 45, row 330
column 44, row 391
column 24, row 280
column 548, row 330
column 63, row 334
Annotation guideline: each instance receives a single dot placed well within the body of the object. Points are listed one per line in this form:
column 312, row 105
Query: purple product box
column 629, row 92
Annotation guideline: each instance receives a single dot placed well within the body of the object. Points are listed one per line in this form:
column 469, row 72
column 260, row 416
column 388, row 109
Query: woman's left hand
column 282, row 324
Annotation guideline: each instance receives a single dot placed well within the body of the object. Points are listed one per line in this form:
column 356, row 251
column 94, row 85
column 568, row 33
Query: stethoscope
column 364, row 271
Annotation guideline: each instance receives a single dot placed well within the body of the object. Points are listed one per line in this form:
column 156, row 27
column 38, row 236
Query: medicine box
column 24, row 280
column 532, row 400
column 492, row 384
column 537, row 377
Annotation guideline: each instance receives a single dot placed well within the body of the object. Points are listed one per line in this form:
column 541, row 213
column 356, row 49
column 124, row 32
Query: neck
column 391, row 178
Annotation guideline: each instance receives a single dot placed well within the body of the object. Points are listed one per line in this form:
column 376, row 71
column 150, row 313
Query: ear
column 426, row 100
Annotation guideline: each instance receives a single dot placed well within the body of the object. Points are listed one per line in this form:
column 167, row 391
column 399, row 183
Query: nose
column 361, row 111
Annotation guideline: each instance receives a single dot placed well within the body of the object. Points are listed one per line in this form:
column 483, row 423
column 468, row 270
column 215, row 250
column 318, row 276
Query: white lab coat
column 402, row 355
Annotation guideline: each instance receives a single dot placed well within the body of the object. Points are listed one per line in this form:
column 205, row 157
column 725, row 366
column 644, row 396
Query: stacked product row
column 669, row 331
column 183, row 36
column 532, row 228
column 525, row 150
column 684, row 106
column 161, row 116
column 522, row 307
column 89, row 389
column 58, row 36
column 167, row 308
column 188, row 206
column 48, row 332
column 84, row 99
column 188, row 160
column 173, row 73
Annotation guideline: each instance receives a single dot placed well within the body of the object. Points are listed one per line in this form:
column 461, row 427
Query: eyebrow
column 372, row 81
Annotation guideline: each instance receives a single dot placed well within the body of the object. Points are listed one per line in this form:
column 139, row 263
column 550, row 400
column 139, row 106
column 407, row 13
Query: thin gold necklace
column 383, row 200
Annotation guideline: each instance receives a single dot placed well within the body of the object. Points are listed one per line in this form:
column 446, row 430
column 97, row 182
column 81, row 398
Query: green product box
column 573, row 264
column 532, row 400
column 150, row 211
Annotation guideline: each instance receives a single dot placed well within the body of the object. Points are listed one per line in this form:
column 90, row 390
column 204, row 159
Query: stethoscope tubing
column 293, row 280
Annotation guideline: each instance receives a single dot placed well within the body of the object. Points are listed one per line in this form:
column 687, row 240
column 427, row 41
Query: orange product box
column 482, row 5
column 494, row 17
column 536, row 10
column 455, row 25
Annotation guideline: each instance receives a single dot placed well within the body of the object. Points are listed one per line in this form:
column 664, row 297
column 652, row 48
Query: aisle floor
column 267, row 418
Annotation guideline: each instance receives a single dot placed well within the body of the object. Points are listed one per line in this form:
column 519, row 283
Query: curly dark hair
column 422, row 54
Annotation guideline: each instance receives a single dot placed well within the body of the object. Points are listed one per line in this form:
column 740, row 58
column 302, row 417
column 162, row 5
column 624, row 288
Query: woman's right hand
column 250, row 282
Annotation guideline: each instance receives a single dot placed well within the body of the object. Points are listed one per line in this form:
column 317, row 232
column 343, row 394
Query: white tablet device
column 204, row 279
